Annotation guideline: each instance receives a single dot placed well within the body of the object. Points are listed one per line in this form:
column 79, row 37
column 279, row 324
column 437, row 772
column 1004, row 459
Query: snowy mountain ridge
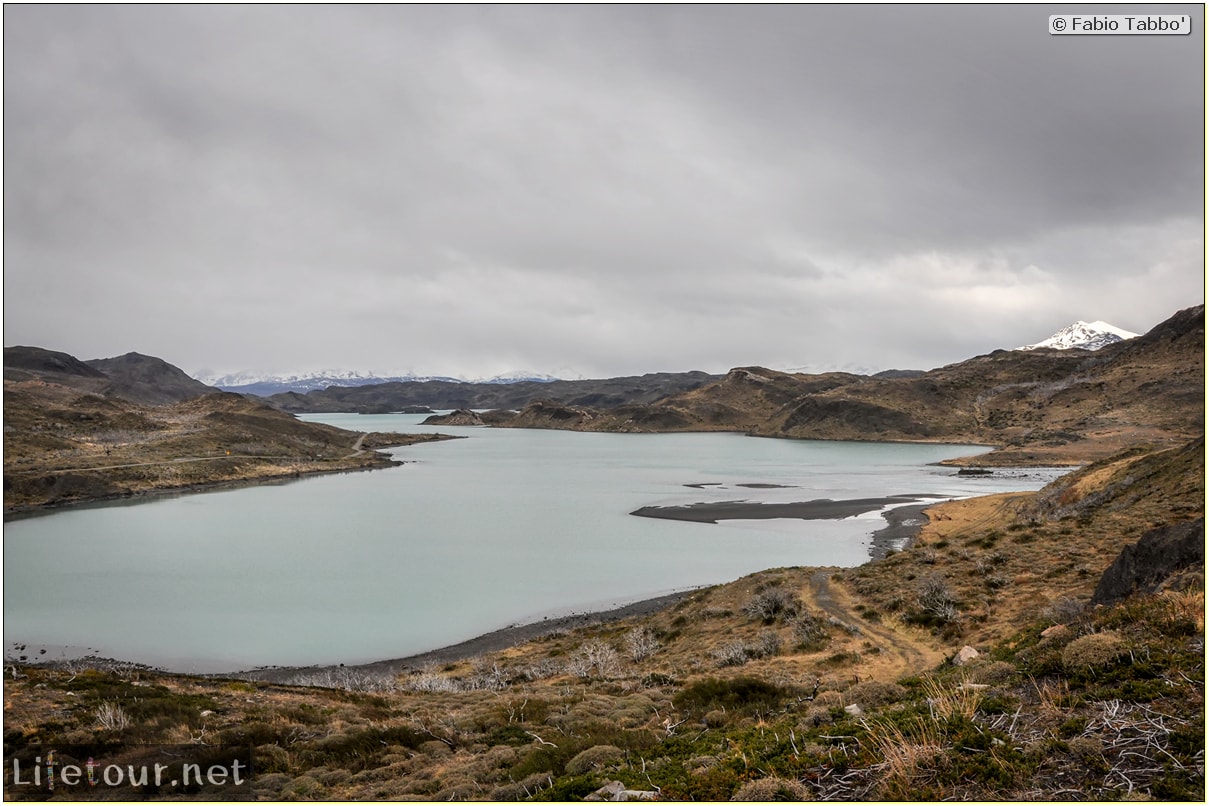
column 1083, row 336
column 270, row 384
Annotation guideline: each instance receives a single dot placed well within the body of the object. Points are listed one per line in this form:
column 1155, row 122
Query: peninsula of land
column 77, row 432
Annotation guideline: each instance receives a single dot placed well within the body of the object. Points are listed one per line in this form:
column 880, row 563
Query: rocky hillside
column 28, row 363
column 133, row 377
column 149, row 380
column 1059, row 406
column 1038, row 406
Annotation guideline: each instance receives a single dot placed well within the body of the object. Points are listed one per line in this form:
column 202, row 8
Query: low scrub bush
column 773, row 605
column 594, row 658
column 595, row 758
column 641, row 643
column 875, row 694
column 1093, row 651
column 936, row 600
column 111, row 716
column 737, row 653
column 772, row 789
column 811, row 631
column 748, row 695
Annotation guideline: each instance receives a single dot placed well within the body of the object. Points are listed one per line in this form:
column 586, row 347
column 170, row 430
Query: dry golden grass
column 909, row 755
column 947, row 701
column 1183, row 607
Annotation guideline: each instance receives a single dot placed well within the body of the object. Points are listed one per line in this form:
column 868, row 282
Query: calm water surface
column 469, row 536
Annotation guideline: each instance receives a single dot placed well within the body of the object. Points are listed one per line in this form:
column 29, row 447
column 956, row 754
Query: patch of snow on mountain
column 1083, row 336
column 519, row 377
column 264, row 383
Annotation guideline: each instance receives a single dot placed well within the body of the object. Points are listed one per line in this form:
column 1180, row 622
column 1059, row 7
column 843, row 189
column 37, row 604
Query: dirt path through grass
column 899, row 653
column 357, row 450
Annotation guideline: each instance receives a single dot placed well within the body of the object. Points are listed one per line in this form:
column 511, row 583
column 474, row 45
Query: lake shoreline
column 494, row 641
column 863, row 542
column 375, row 460
column 139, row 496
column 903, row 526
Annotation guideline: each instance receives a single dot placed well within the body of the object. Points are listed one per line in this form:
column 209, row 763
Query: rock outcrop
column 1145, row 566
column 458, row 417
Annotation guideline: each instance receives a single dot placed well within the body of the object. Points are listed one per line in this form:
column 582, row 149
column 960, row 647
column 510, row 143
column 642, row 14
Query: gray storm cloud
column 608, row 190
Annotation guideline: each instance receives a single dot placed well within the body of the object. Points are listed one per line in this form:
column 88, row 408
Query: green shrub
column 565, row 789
column 303, row 788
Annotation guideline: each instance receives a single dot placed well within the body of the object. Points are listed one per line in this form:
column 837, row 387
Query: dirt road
column 900, row 652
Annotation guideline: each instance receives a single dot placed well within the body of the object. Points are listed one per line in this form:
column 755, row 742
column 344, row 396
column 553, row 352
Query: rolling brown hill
column 150, row 380
column 133, row 376
column 28, row 363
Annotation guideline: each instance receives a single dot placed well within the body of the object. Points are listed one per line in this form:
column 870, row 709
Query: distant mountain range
column 1083, row 336
column 1034, row 403
column 1080, row 335
column 1062, row 405
column 248, row 383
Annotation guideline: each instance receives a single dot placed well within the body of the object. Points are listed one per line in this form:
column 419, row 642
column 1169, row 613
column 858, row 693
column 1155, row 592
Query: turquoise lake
column 470, row 535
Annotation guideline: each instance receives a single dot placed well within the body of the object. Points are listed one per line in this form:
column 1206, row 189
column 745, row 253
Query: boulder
column 616, row 792
column 965, row 655
column 1144, row 566
column 1054, row 634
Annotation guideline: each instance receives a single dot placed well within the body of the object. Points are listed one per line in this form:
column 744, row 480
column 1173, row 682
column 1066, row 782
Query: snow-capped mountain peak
column 1083, row 336
column 245, row 378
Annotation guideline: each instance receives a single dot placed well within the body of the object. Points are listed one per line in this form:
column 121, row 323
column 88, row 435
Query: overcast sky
column 591, row 190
